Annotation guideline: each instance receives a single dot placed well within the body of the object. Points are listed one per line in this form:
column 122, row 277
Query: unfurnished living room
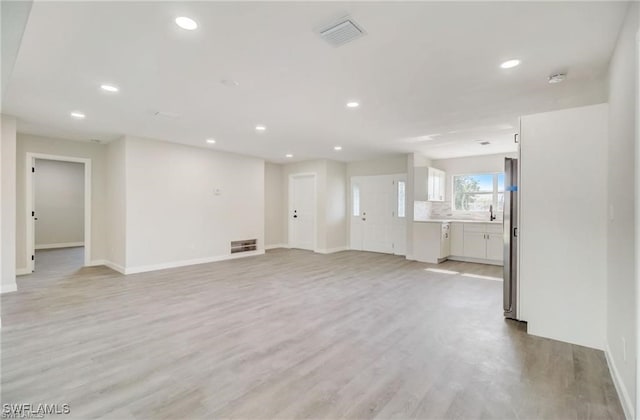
column 320, row 210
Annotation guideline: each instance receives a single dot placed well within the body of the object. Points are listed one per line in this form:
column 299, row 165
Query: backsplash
column 425, row 210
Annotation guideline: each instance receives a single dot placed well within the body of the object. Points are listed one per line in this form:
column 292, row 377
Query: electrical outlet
column 624, row 349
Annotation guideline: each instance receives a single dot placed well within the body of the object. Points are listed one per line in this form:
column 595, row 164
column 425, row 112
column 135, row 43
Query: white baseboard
column 332, row 250
column 23, row 271
column 275, row 246
column 175, row 264
column 623, row 394
column 59, row 245
column 8, row 288
column 474, row 260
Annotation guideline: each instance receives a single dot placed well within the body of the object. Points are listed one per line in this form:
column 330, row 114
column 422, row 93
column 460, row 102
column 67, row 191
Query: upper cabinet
column 428, row 184
column 435, row 184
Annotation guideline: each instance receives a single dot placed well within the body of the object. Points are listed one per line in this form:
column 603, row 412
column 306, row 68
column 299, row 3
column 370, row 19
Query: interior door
column 302, row 202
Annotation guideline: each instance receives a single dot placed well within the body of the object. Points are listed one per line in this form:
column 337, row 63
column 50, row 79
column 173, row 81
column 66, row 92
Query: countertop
column 495, row 222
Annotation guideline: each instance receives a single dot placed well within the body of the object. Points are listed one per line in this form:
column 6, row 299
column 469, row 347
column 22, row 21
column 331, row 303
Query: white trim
column 175, row 264
column 474, row 260
column 23, row 271
column 30, row 242
column 276, row 246
column 332, row 250
column 60, row 245
column 316, row 214
column 9, row 288
column 623, row 394
column 116, row 267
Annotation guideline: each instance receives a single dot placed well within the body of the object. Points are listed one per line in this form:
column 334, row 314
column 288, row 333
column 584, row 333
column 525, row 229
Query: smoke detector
column 341, row 32
column 557, row 78
column 167, row 114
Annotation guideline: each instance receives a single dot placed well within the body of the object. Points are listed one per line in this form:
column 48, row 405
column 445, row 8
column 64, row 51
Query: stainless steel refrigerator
column 510, row 220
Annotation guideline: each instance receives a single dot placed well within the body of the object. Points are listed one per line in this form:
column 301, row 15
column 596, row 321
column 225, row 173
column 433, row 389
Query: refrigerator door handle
column 515, row 232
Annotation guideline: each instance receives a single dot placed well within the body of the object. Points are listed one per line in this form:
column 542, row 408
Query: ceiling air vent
column 337, row 34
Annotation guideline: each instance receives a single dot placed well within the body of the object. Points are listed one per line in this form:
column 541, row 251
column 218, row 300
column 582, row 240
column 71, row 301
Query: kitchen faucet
column 492, row 216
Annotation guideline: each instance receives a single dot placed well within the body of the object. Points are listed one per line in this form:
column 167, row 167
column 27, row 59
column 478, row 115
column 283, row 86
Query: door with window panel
column 377, row 217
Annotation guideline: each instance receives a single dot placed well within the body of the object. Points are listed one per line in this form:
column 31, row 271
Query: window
column 355, row 200
column 476, row 192
column 401, row 198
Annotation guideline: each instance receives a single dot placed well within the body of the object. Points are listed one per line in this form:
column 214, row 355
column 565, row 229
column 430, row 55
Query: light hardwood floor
column 291, row 334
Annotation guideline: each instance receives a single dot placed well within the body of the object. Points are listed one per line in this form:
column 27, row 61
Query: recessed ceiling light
column 78, row 115
column 288, row 155
column 352, row 104
column 109, row 88
column 510, row 64
column 557, row 78
column 337, row 147
column 260, row 128
column 186, row 23
column 211, row 141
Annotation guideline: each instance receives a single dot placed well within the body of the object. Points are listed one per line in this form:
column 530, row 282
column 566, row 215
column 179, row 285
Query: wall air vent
column 245, row 245
column 342, row 32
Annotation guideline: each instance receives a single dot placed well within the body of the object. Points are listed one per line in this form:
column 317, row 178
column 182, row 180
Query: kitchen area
column 459, row 210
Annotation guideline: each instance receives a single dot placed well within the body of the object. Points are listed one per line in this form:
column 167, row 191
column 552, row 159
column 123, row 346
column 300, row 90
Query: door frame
column 29, row 196
column 315, row 208
column 408, row 198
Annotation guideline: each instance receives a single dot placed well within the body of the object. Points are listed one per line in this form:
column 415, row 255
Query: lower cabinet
column 495, row 246
column 480, row 242
column 475, row 245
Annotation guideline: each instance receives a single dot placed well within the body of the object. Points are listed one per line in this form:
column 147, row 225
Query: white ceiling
column 427, row 74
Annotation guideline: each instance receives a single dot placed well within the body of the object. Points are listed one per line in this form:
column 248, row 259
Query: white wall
column 7, row 206
column 98, row 155
column 563, row 232
column 621, row 243
column 117, row 205
column 336, row 207
column 274, row 206
column 389, row 165
column 59, row 203
column 173, row 214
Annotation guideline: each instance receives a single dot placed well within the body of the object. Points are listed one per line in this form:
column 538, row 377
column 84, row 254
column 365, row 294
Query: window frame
column 401, row 204
column 495, row 192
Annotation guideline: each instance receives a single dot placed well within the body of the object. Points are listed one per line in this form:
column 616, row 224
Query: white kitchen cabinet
column 481, row 242
column 457, row 238
column 475, row 245
column 435, row 184
column 431, row 241
column 495, row 246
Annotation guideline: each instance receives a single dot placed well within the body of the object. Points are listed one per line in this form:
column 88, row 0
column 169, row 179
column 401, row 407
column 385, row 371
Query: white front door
column 302, row 206
column 376, row 224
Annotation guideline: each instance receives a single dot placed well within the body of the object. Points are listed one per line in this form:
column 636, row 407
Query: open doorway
column 59, row 206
